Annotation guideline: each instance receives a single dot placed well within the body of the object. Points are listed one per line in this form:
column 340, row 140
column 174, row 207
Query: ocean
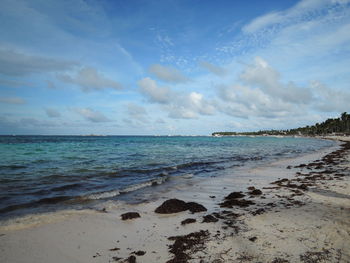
column 48, row 173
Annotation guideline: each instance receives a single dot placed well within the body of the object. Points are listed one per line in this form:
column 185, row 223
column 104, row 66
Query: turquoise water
column 41, row 173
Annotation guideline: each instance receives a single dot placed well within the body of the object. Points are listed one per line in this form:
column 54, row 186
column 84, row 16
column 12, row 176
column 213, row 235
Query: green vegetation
column 339, row 126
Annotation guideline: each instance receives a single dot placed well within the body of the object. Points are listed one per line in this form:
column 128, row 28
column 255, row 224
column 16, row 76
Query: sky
column 186, row 67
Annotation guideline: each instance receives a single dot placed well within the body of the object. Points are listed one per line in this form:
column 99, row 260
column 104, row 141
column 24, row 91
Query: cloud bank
column 92, row 115
column 15, row 63
column 168, row 74
column 89, row 79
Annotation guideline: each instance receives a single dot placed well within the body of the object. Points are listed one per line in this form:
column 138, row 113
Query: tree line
column 338, row 126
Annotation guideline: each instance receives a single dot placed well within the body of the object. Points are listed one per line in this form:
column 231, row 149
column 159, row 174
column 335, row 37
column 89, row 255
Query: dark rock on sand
column 139, row 253
column 131, row 259
column 255, row 192
column 209, row 219
column 280, row 181
column 236, row 202
column 258, row 211
column 172, row 206
column 253, row 239
column 175, row 205
column 130, row 215
column 279, row 260
column 303, row 187
column 218, row 215
column 251, row 188
column 188, row 221
column 235, row 195
column 195, row 207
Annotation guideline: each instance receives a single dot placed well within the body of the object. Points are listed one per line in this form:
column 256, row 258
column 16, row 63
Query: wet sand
column 301, row 215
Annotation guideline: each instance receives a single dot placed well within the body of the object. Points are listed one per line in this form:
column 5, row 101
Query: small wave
column 186, row 176
column 113, row 193
column 65, row 187
column 12, row 167
column 195, row 164
column 41, row 161
column 102, row 195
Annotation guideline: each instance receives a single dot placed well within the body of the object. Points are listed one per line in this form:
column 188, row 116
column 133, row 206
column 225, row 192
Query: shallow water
column 45, row 173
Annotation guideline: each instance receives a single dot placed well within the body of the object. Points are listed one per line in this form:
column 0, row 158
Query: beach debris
column 96, row 255
column 116, row 258
column 279, row 260
column 130, row 215
column 311, row 257
column 131, row 259
column 255, row 192
column 175, row 205
column 139, row 253
column 188, row 221
column 186, row 245
column 114, row 249
column 258, row 211
column 195, row 207
column 103, row 210
column 235, row 195
column 245, row 257
column 303, row 187
column 236, row 202
column 251, row 188
column 212, row 196
column 280, row 181
column 209, row 219
column 253, row 239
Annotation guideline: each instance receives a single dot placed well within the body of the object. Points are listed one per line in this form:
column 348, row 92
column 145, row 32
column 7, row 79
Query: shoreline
column 141, row 191
column 164, row 191
column 92, row 236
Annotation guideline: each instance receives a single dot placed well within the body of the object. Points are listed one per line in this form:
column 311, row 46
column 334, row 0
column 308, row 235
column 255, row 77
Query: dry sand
column 286, row 223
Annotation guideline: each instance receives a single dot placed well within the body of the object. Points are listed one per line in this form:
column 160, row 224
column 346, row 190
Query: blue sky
column 171, row 67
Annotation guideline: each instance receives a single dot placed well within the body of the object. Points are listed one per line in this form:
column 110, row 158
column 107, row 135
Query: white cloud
column 154, row 93
column 136, row 110
column 14, row 63
column 260, row 93
column 261, row 75
column 178, row 105
column 330, row 100
column 303, row 10
column 137, row 114
column 180, row 112
column 12, row 100
column 213, row 68
column 263, row 21
column 52, row 113
column 92, row 115
column 197, row 102
column 247, row 102
column 168, row 74
column 89, row 79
